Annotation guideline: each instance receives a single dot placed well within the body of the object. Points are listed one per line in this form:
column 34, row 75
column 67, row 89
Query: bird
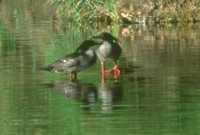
column 109, row 50
column 82, row 58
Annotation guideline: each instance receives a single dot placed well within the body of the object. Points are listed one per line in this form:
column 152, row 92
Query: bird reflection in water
column 80, row 91
column 107, row 94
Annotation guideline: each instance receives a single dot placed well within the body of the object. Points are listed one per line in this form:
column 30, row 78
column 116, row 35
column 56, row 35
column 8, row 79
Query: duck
column 109, row 50
column 82, row 58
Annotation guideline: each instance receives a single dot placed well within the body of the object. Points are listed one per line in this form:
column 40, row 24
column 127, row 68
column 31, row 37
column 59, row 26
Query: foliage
column 89, row 10
column 175, row 11
column 131, row 11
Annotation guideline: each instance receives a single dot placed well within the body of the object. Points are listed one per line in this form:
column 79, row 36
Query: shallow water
column 158, row 92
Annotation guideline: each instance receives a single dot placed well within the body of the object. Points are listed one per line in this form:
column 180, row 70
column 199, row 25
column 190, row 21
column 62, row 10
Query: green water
column 158, row 92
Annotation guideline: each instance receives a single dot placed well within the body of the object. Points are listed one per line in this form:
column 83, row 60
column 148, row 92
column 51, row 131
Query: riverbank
column 128, row 12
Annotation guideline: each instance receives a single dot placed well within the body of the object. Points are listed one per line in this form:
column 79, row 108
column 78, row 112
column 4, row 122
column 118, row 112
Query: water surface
column 158, row 92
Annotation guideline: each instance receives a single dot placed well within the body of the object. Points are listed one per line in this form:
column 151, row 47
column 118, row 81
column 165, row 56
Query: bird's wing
column 71, row 61
column 116, row 51
column 67, row 61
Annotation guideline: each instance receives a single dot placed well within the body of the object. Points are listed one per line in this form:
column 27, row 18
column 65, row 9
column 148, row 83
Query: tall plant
column 89, row 10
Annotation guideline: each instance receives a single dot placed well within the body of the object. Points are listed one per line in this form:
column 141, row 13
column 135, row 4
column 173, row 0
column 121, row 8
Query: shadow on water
column 107, row 94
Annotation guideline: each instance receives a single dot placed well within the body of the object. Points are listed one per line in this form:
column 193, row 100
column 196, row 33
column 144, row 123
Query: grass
column 133, row 11
column 86, row 10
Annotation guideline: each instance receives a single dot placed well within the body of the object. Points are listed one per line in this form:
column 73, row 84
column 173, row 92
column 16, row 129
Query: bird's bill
column 115, row 39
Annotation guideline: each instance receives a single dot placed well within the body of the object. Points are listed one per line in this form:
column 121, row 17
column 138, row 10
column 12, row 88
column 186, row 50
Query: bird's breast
column 104, row 51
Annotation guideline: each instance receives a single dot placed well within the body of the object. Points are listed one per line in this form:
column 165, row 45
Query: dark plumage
column 109, row 50
column 81, row 59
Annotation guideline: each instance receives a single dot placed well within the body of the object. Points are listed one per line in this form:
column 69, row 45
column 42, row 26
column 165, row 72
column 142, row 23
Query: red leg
column 70, row 76
column 103, row 70
column 102, row 78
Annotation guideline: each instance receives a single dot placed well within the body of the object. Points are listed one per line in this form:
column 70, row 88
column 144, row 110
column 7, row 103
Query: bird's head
column 106, row 37
column 86, row 45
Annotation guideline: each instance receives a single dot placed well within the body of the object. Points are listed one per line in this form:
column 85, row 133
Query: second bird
column 109, row 50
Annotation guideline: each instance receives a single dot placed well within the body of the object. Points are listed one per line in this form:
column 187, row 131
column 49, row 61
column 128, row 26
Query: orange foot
column 115, row 71
column 105, row 72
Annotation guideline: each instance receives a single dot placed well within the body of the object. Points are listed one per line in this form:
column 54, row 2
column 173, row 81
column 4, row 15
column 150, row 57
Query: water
column 157, row 94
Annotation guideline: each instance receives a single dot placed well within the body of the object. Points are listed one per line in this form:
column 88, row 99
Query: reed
column 86, row 10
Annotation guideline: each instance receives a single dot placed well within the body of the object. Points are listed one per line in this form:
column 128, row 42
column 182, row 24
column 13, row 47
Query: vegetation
column 176, row 11
column 86, row 10
column 133, row 11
